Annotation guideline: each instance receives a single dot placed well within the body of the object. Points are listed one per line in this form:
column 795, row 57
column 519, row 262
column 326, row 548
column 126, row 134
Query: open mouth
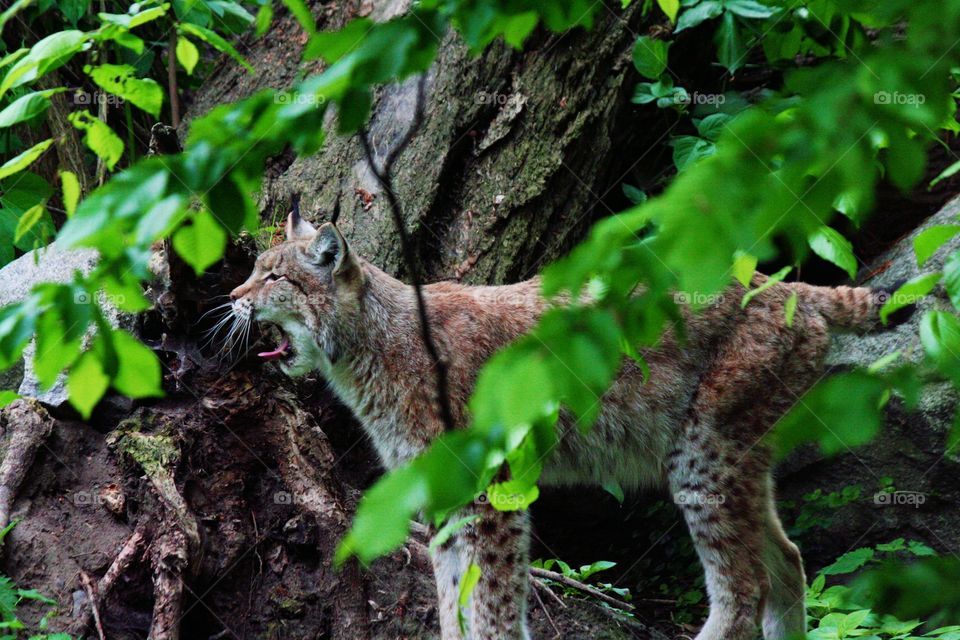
column 283, row 352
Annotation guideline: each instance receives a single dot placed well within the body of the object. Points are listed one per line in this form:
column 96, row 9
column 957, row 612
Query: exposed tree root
column 92, row 596
column 29, row 426
column 169, row 559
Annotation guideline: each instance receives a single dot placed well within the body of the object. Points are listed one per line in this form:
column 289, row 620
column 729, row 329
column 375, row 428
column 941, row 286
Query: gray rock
column 911, row 448
column 49, row 264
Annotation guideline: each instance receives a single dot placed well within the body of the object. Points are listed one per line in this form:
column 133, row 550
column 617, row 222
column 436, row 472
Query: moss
column 155, row 453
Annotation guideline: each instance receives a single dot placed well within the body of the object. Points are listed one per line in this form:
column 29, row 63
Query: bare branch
column 385, row 178
column 545, row 574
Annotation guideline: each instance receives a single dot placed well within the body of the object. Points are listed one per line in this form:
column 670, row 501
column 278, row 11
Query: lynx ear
column 297, row 228
column 330, row 251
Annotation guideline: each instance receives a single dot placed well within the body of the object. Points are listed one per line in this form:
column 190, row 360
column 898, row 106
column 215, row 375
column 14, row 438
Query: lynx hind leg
column 498, row 543
column 720, row 492
column 784, row 610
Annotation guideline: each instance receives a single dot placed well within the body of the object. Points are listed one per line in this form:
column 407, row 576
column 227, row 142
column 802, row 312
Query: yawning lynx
column 695, row 426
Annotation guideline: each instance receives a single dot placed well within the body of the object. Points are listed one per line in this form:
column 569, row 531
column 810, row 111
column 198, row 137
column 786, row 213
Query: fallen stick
column 580, row 586
column 94, row 607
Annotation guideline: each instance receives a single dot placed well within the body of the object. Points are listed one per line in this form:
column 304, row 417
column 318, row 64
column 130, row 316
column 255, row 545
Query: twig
column 385, row 178
column 576, row 584
column 92, row 596
column 172, row 79
column 546, row 612
column 540, row 584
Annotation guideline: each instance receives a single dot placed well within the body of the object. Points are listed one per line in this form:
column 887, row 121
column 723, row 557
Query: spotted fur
column 696, row 426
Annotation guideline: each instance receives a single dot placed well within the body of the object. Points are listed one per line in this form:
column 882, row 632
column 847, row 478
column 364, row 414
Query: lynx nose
column 238, row 293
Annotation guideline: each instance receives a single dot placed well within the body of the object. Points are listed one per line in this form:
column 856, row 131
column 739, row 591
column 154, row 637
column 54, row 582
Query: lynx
column 696, row 426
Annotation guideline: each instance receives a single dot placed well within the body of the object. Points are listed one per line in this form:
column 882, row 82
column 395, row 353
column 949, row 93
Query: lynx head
column 309, row 287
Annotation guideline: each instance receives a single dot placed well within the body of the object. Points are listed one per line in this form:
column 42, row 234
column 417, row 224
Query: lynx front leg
column 498, row 544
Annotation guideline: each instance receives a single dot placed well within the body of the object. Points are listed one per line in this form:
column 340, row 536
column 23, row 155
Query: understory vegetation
column 853, row 94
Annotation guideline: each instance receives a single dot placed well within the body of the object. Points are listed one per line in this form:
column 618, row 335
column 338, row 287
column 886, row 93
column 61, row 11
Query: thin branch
column 385, row 178
column 576, row 584
column 91, row 590
column 172, row 79
column 546, row 612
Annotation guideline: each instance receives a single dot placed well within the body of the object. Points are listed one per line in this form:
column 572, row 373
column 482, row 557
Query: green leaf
column 98, row 137
column 71, row 191
column 789, row 309
column 516, row 28
column 333, row 45
column 909, row 293
column 713, row 125
column 940, row 337
column 302, row 13
column 771, row 280
column 468, row 583
column 264, row 18
column 216, row 41
column 927, row 242
column 87, row 383
column 25, row 159
column 849, row 562
column 670, row 8
column 73, row 10
column 744, row 266
column 650, row 56
column 450, row 528
column 46, row 55
column 830, row 245
column 634, row 195
column 6, row 397
column 187, row 54
column 120, row 80
column 28, row 220
column 731, row 50
column 27, row 107
column 951, row 278
column 132, row 21
column 200, row 243
column 946, row 173
column 704, row 11
column 749, row 8
column 512, row 495
column 138, row 372
column 613, row 487
column 839, row 413
column 689, row 149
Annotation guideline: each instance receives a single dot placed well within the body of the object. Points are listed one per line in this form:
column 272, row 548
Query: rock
column 48, row 264
column 910, row 449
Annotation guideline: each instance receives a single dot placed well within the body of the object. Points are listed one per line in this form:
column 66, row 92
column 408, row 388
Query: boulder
column 910, row 451
column 48, row 264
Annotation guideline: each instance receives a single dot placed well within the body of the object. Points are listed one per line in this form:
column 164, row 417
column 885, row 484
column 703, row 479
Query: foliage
column 756, row 176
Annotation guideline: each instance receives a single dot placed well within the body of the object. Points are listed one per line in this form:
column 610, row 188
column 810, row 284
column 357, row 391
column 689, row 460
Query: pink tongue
column 279, row 352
